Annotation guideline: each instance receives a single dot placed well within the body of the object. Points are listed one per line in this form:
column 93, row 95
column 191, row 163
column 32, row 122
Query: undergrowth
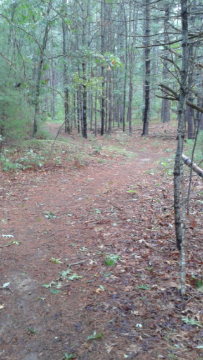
column 198, row 156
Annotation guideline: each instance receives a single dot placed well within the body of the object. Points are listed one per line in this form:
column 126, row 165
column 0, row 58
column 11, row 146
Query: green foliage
column 71, row 356
column 28, row 160
column 50, row 284
column 111, row 259
column 54, row 291
column 7, row 165
column 42, row 133
column 198, row 150
column 144, row 287
column 49, row 215
column 95, row 336
column 191, row 321
column 32, row 331
column 64, row 273
column 74, row 277
column 199, row 284
column 132, row 191
column 56, row 261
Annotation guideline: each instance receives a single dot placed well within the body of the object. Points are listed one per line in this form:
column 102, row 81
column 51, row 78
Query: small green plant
column 32, row 331
column 49, row 215
column 31, row 158
column 75, row 277
column 71, row 356
column 132, row 191
column 50, row 284
column 144, row 287
column 107, row 275
column 101, row 161
column 95, row 336
column 7, row 165
column 111, row 260
column 97, row 211
column 199, row 284
column 64, row 273
column 83, row 248
column 191, row 321
column 56, row 261
column 54, row 291
column 150, row 268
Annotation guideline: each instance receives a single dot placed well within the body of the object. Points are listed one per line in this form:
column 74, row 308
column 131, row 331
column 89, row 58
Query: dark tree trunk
column 78, row 110
column 165, row 110
column 95, row 118
column 65, row 75
column 102, row 68
column 84, row 114
column 189, row 114
column 147, row 70
column 181, row 127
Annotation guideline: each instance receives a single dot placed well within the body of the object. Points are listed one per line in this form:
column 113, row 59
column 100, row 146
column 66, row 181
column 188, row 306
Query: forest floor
column 88, row 263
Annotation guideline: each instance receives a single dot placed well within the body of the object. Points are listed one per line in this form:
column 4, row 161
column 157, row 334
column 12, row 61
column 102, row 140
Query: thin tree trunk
column 95, row 121
column 84, row 102
column 90, row 109
column 178, row 167
column 102, row 67
column 78, row 110
column 189, row 114
column 165, row 110
column 106, row 102
column 65, row 75
column 39, row 71
column 74, row 109
column 147, row 70
column 110, row 102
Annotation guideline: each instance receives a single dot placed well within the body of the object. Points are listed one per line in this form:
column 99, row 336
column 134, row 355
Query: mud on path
column 57, row 287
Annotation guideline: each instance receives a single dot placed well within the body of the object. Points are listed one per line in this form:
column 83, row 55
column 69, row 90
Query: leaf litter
column 134, row 301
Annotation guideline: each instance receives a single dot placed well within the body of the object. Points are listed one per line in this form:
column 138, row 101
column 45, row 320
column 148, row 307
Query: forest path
column 72, row 223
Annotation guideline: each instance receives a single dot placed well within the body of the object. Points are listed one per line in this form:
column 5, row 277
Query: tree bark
column 102, row 67
column 194, row 166
column 84, row 114
column 39, row 71
column 165, row 110
column 189, row 114
column 147, row 69
column 181, row 128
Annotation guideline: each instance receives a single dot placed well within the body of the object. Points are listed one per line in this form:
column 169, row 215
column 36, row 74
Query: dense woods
column 97, row 65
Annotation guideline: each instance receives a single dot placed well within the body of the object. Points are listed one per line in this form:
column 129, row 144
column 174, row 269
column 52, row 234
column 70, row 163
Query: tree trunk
column 189, row 114
column 181, row 127
column 84, row 114
column 102, row 67
column 95, row 121
column 39, row 71
column 147, row 70
column 110, row 102
column 165, row 110
column 78, row 110
column 65, row 75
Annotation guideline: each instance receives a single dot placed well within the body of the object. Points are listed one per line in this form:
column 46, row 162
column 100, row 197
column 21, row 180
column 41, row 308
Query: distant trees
column 102, row 61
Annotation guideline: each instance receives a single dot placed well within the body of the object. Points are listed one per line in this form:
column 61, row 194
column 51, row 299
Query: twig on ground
column 76, row 263
column 116, row 207
column 6, row 288
column 6, row 245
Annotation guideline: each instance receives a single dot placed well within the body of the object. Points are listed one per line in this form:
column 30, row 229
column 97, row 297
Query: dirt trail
column 80, row 217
